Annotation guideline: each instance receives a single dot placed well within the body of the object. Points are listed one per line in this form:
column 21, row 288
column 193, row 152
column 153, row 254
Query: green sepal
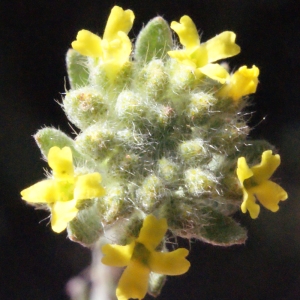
column 50, row 137
column 153, row 41
column 220, row 230
column 253, row 150
column 76, row 68
column 156, row 283
column 86, row 228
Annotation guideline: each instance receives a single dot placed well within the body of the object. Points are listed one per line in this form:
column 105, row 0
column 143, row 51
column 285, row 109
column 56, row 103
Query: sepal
column 156, row 283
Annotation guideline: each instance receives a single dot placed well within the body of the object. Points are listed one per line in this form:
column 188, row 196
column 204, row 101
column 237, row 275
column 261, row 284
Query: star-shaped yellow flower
column 257, row 186
column 115, row 47
column 64, row 190
column 243, row 82
column 140, row 258
column 200, row 57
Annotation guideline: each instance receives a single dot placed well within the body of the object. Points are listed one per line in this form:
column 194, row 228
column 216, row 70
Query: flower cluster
column 200, row 57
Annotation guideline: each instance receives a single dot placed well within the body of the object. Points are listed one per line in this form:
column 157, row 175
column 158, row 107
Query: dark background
column 36, row 263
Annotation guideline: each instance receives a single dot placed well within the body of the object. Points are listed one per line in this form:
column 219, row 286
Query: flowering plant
column 163, row 125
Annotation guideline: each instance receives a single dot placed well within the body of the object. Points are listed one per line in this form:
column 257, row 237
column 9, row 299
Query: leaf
column 77, row 70
column 220, row 230
column 154, row 41
column 49, row 137
column 86, row 228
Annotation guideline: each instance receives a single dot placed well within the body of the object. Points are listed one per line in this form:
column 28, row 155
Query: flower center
column 250, row 183
column 65, row 190
column 141, row 253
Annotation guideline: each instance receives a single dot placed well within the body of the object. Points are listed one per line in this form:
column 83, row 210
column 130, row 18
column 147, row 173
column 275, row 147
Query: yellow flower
column 141, row 258
column 115, row 47
column 200, row 56
column 257, row 186
column 243, row 82
column 65, row 190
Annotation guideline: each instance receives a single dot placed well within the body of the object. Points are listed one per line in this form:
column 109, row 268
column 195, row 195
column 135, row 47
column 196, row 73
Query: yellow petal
column 269, row 194
column 61, row 162
column 133, row 282
column 88, row 43
column 116, row 255
column 249, row 203
column 215, row 71
column 243, row 171
column 42, row 192
column 187, row 32
column 152, row 232
column 264, row 170
column 116, row 53
column 221, row 46
column 183, row 57
column 169, row 263
column 61, row 214
column 199, row 56
column 244, row 82
column 118, row 20
column 88, row 186
column 122, row 49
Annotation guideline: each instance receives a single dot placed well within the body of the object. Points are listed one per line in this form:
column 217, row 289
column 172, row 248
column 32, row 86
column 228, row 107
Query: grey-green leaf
column 49, row 137
column 86, row 227
column 154, row 41
column 77, row 70
column 221, row 230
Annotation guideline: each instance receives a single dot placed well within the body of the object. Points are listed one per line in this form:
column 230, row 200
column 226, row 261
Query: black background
column 36, row 263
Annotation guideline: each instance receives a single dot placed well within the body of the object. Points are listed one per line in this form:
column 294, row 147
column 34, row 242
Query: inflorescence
column 163, row 124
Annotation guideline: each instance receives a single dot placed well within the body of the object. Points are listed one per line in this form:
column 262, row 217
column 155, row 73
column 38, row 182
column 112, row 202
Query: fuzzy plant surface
column 162, row 145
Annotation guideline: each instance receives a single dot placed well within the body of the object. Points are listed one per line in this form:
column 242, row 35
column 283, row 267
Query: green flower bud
column 112, row 205
column 131, row 106
column 152, row 80
column 193, row 151
column 182, row 80
column 229, row 135
column 84, row 106
column 149, row 192
column 98, row 141
column 99, row 79
column 124, row 165
column 168, row 170
column 164, row 115
column 200, row 106
column 199, row 182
